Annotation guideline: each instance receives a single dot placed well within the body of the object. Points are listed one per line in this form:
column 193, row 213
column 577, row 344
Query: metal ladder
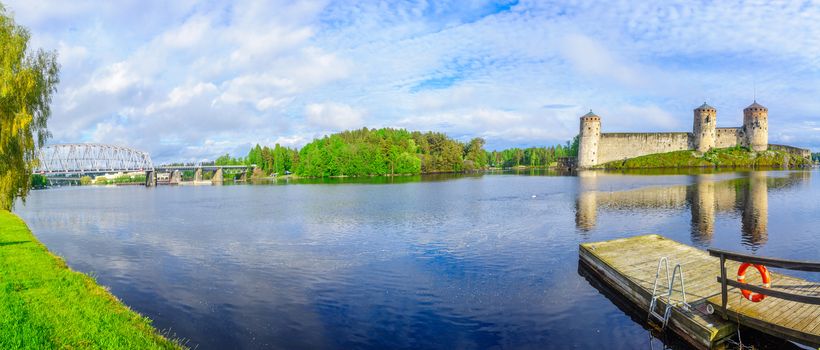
column 670, row 283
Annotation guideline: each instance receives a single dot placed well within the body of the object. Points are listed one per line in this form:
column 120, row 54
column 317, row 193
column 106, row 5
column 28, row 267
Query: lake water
column 450, row 262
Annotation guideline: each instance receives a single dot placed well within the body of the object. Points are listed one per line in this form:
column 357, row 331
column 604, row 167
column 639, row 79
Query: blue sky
column 189, row 80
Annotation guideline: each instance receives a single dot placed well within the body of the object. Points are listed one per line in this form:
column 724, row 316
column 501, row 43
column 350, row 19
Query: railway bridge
column 68, row 162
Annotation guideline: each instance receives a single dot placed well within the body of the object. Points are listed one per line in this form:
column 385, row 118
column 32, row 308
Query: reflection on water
column 429, row 262
column 706, row 196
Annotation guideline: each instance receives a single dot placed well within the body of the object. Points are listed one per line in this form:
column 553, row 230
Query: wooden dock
column 629, row 266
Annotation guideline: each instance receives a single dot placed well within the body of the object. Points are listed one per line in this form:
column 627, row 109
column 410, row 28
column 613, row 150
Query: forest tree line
column 532, row 156
column 389, row 151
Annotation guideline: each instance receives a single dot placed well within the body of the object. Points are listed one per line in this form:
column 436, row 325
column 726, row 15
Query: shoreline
column 46, row 304
column 734, row 157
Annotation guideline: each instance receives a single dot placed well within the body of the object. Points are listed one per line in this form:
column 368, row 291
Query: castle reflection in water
column 706, row 196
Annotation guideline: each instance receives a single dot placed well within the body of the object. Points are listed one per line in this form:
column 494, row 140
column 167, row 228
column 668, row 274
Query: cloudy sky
column 188, row 80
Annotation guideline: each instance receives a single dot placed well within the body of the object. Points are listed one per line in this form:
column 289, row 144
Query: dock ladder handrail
column 670, row 284
column 770, row 262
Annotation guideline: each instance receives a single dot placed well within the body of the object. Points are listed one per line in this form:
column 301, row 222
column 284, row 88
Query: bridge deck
column 629, row 265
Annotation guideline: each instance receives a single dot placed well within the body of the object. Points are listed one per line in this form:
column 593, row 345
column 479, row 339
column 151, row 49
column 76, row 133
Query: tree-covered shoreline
column 391, row 152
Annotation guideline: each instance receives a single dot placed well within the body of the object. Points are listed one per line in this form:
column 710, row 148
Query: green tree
column 474, row 152
column 518, row 156
column 573, row 149
column 38, row 181
column 28, row 80
column 376, row 152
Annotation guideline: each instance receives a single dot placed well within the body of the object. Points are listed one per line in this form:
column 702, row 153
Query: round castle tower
column 756, row 127
column 704, row 128
column 590, row 135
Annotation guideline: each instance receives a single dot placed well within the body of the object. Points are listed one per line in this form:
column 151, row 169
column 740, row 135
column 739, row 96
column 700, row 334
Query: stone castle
column 706, row 197
column 598, row 148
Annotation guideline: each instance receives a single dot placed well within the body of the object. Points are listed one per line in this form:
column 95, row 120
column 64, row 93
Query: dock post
column 724, row 294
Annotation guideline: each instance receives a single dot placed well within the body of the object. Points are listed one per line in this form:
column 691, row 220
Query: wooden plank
column 778, row 317
column 801, row 315
column 700, row 330
column 817, row 324
column 778, row 330
column 630, row 265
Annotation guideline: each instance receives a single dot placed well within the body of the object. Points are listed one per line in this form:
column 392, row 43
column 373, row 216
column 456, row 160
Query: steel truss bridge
column 91, row 158
column 69, row 161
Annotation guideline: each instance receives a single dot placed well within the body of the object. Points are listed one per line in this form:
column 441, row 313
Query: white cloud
column 590, row 57
column 208, row 77
column 70, row 56
column 114, row 78
column 191, row 33
column 333, row 116
column 631, row 117
column 268, row 103
column 181, row 96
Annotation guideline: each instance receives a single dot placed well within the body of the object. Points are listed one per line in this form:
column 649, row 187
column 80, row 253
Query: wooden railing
column 768, row 262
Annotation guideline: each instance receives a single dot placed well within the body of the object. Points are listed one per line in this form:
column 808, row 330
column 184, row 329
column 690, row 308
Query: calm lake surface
column 486, row 261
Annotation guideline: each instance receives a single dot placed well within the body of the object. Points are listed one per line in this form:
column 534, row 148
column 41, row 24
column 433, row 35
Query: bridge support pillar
column 198, row 175
column 175, row 178
column 218, row 178
column 150, row 178
column 244, row 176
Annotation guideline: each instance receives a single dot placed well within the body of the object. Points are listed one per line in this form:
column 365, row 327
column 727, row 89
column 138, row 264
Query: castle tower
column 589, row 137
column 704, row 128
column 703, row 205
column 586, row 204
column 755, row 215
column 756, row 127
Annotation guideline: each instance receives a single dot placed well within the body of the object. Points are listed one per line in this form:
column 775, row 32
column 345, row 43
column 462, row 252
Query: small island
column 735, row 157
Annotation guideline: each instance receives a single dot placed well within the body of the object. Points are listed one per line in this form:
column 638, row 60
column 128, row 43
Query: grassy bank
column 735, row 157
column 45, row 305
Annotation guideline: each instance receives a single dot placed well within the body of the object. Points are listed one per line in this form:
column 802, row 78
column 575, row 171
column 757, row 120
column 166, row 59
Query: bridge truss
column 89, row 158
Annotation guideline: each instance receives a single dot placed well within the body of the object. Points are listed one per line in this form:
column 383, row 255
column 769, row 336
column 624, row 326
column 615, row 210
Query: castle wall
column 793, row 150
column 596, row 148
column 672, row 197
column 728, row 137
column 620, row 146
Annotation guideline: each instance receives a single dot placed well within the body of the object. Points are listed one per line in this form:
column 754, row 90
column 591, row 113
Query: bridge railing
column 797, row 265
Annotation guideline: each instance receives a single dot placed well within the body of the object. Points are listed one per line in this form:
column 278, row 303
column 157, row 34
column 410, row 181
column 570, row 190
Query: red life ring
column 741, row 277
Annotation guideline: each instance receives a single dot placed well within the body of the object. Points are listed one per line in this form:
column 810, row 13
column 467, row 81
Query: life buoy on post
column 741, row 277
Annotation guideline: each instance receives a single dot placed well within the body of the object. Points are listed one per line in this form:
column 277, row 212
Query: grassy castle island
column 706, row 146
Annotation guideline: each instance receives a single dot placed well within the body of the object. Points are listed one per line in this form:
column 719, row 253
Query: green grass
column 46, row 305
column 735, row 157
column 124, row 179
